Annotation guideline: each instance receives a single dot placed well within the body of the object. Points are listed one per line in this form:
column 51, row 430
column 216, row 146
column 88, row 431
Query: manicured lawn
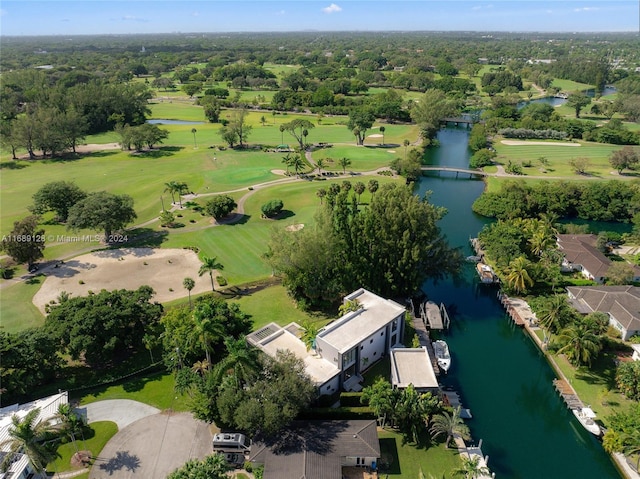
column 405, row 460
column 591, row 384
column 569, row 85
column 93, row 440
column 363, row 158
column 155, row 389
column 16, row 309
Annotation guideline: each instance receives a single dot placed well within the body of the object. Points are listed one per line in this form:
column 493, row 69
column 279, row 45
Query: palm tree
column 382, row 130
column 631, row 443
column 359, row 188
column 70, row 423
column 171, row 187
column 344, row 162
column 297, row 163
column 517, row 275
column 195, row 143
column 581, row 343
column 381, row 398
column 553, row 312
column 372, row 186
column 241, row 362
column 308, row 335
column 287, row 160
column 320, row 163
column 263, row 120
column 405, row 143
column 28, row 437
column 471, row 468
column 209, row 265
column 189, row 284
column 321, row 193
column 282, row 128
column 181, row 188
column 201, row 367
column 448, row 425
column 207, row 327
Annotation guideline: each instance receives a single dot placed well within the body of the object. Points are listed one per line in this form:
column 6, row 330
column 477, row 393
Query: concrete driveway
column 152, row 447
column 121, row 411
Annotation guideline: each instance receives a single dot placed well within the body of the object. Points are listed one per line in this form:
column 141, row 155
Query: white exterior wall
column 327, row 351
column 373, row 348
column 364, row 461
column 331, row 386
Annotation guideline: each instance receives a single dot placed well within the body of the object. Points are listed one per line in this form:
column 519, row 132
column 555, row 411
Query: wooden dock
column 475, row 244
column 425, row 340
column 568, row 394
column 434, row 316
column 511, row 310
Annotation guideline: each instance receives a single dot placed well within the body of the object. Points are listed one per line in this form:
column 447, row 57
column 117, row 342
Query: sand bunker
column 127, row 268
column 542, row 143
column 296, row 227
column 375, row 135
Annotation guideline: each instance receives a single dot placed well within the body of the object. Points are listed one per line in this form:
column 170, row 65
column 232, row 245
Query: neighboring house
column 318, row 449
column 636, row 352
column 20, row 467
column 620, row 303
column 344, row 348
column 413, row 366
column 580, row 254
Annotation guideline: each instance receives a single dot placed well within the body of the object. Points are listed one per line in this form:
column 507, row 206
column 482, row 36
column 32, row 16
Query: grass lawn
column 592, row 384
column 16, row 309
column 94, row 440
column 569, row 85
column 363, row 158
column 405, row 460
column 155, row 389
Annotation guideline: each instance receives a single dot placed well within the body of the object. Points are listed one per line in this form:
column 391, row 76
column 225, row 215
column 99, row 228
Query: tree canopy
column 25, row 243
column 57, row 196
column 102, row 211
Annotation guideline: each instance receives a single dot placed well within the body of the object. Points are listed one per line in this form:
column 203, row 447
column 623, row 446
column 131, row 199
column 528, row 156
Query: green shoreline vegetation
column 395, row 110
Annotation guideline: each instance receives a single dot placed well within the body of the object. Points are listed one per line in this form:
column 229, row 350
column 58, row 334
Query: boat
column 487, row 276
column 586, row 417
column 443, row 357
column 473, row 259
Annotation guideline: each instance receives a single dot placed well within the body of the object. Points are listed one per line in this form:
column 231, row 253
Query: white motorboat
column 586, row 417
column 443, row 357
column 487, row 276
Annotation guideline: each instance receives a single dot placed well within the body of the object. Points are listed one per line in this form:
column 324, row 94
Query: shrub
column 482, row 157
column 350, row 399
column 220, row 206
column 221, row 280
column 272, row 208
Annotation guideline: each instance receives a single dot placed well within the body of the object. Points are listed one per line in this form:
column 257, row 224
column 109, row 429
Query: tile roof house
column 318, row 449
column 580, row 254
column 20, row 467
column 620, row 303
column 344, row 348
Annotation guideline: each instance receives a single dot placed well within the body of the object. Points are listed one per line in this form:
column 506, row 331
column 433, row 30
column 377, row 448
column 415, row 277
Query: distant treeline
column 600, row 201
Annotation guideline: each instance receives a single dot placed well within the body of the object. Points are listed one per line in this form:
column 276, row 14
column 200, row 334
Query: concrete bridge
column 457, row 171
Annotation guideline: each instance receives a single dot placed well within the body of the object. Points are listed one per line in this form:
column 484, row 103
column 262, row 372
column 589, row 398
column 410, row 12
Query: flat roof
column 412, row 366
column 354, row 327
column 273, row 338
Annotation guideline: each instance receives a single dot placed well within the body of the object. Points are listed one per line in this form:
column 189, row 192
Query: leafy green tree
column 481, row 158
column 297, row 128
column 103, row 326
column 628, row 379
column 211, row 107
column 627, row 158
column 272, row 208
column 620, row 272
column 212, row 467
column 102, row 210
column 553, row 312
column 220, row 206
column 189, row 284
column 25, row 243
column 448, row 425
column 191, row 89
column 413, row 410
column 57, row 196
column 471, row 468
column 360, row 120
column 433, row 107
column 207, row 327
column 238, row 126
column 382, row 398
column 577, row 101
column 167, row 218
column 209, row 265
column 29, row 436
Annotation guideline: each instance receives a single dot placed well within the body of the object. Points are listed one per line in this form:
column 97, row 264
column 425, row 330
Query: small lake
column 174, row 122
column 527, row 431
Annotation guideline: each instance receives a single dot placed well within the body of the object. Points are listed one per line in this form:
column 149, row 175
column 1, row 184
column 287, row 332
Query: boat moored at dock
column 487, row 276
column 586, row 417
column 443, row 357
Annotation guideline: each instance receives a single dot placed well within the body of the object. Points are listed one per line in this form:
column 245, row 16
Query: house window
column 370, row 341
column 349, row 357
column 394, row 324
column 381, row 333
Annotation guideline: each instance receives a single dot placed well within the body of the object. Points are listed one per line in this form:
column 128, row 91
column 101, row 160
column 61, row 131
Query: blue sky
column 25, row 17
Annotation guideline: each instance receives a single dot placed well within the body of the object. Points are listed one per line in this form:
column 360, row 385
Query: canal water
column 527, row 431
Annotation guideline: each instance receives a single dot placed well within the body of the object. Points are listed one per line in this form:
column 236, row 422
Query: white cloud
column 482, row 7
column 586, row 9
column 333, row 8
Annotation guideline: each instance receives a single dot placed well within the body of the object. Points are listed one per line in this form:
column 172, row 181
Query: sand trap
column 375, row 135
column 279, row 172
column 125, row 269
column 542, row 143
column 391, row 151
column 296, row 227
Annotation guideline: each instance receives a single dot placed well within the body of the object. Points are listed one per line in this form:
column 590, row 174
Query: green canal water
column 527, row 431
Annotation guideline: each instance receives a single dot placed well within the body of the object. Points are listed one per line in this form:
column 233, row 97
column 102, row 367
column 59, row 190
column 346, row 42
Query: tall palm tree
column 344, row 163
column 282, row 128
column 209, row 265
column 321, row 193
column 181, row 188
column 554, row 312
column 631, row 446
column 241, row 362
column 308, row 335
column 382, row 130
column 70, row 423
column 373, row 186
column 581, row 343
column 195, row 143
column 405, row 143
column 189, row 284
column 172, row 188
column 208, row 329
column 297, row 163
column 287, row 160
column 446, row 424
column 28, row 437
column 471, row 468
column 201, row 367
column 320, row 163
column 358, row 189
column 517, row 274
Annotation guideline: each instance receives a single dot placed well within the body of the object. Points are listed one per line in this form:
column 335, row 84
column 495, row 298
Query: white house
column 620, row 303
column 344, row 348
column 20, row 468
column 413, row 366
column 636, row 352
